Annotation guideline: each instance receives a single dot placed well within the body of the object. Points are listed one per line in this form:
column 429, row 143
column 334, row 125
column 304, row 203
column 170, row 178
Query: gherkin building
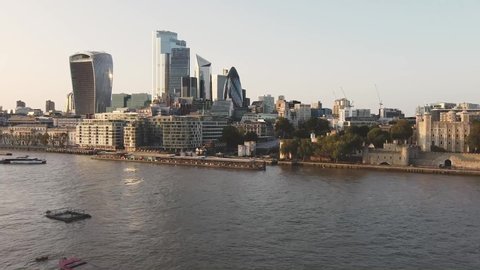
column 233, row 88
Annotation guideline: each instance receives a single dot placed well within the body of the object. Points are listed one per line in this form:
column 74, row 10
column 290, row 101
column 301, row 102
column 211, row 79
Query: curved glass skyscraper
column 233, row 88
column 92, row 74
column 203, row 74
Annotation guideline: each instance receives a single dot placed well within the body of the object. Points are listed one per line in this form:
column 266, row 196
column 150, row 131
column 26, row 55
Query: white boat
column 23, row 160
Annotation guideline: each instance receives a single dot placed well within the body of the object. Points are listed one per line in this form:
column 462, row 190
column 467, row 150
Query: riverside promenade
column 409, row 169
column 199, row 161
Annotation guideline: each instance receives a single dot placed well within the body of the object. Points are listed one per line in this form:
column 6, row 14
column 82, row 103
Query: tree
column 377, row 137
column 402, row 130
column 318, row 126
column 251, row 136
column 290, row 146
column 305, row 149
column 283, row 128
column 473, row 139
column 231, row 136
column 361, row 131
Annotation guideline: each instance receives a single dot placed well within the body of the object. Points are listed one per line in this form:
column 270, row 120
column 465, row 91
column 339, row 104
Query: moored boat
column 23, row 160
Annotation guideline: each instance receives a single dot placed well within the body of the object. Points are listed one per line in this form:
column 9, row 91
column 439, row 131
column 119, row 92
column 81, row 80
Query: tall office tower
column 70, row 105
column 170, row 62
column 233, row 88
column 189, row 87
column 179, row 67
column 20, row 104
column 202, row 72
column 218, row 83
column 92, row 75
column 49, row 106
column 246, row 101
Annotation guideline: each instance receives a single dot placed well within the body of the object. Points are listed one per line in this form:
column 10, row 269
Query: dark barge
column 67, row 215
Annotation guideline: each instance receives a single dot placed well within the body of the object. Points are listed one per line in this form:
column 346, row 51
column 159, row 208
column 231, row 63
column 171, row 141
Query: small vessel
column 23, row 160
column 41, row 258
column 73, row 264
column 67, row 215
column 5, row 154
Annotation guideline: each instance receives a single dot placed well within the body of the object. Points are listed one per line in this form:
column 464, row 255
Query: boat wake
column 133, row 181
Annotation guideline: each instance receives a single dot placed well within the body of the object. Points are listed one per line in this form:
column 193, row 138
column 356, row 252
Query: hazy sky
column 416, row 52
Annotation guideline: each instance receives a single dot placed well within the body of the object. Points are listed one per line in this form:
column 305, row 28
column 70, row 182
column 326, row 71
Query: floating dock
column 67, row 215
column 199, row 161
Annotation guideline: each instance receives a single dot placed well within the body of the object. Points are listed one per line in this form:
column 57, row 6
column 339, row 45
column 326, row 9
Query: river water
column 147, row 216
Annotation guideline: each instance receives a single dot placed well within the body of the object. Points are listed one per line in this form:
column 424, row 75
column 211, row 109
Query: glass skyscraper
column 233, row 88
column 92, row 75
column 170, row 62
column 203, row 74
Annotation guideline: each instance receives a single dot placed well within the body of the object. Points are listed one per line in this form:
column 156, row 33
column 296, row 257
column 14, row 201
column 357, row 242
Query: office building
column 119, row 100
column 70, row 104
column 203, row 75
column 268, row 103
column 218, row 84
column 138, row 100
column 49, row 106
column 189, row 87
column 170, row 62
column 233, row 88
column 92, row 75
column 340, row 104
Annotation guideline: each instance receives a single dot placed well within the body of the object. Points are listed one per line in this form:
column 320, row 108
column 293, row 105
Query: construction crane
column 350, row 103
column 378, row 96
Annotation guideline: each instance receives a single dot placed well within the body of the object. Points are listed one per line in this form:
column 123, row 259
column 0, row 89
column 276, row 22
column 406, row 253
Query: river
column 147, row 216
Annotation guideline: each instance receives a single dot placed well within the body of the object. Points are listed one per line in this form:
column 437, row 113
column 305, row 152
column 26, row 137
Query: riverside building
column 100, row 134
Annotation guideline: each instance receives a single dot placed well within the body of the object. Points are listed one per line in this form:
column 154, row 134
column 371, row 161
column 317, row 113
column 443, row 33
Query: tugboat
column 23, row 160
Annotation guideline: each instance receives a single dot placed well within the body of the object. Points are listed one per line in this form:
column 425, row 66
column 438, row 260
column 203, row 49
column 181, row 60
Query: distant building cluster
column 187, row 112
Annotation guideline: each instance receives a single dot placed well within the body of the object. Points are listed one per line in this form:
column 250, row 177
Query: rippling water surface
column 161, row 217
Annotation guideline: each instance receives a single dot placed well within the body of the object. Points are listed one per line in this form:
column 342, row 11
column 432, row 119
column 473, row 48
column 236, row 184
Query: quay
column 67, row 215
column 200, row 161
column 409, row 169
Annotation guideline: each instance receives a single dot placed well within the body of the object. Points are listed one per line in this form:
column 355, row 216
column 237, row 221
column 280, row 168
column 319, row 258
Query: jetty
column 408, row 169
column 199, row 161
column 67, row 215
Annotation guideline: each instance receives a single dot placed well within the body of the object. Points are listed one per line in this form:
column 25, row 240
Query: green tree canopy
column 231, row 136
column 283, row 128
column 377, row 137
column 251, row 136
column 290, row 146
column 318, row 126
column 473, row 139
column 402, row 130
column 361, row 131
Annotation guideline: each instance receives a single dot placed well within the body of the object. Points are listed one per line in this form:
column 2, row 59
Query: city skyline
column 416, row 53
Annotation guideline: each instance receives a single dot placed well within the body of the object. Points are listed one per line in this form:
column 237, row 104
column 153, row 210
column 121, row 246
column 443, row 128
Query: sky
column 415, row 52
